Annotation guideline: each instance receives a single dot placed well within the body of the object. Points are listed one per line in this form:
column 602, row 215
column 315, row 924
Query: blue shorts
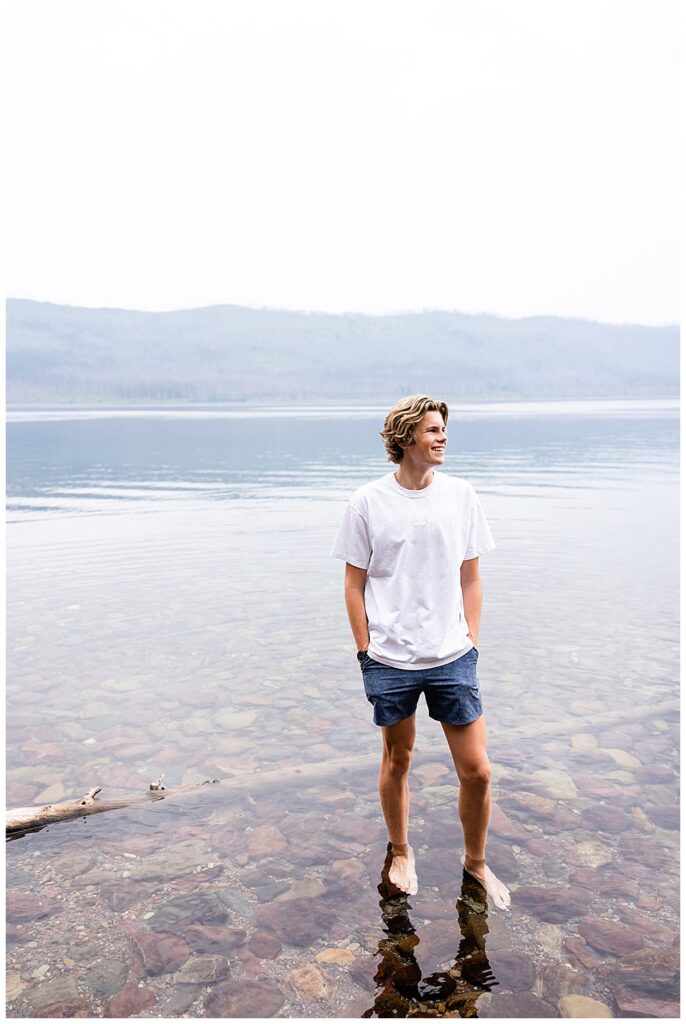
column 452, row 691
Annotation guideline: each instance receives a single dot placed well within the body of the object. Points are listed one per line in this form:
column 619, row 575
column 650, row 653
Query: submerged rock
column 590, row 853
column 57, row 990
column 622, row 758
column 437, row 796
column 594, row 785
column 130, row 1001
column 513, row 971
column 610, row 937
column 14, row 986
column 267, row 893
column 348, row 827
column 664, row 815
column 516, row 1004
column 298, row 922
column 213, row 938
column 234, row 720
column 629, row 1004
column 355, row 1009
column 538, row 806
column 122, row 894
column 179, row 858
column 582, row 1006
column 555, row 783
column 647, row 926
column 641, row 819
column 362, row 971
column 605, row 883
column 25, row 906
column 85, row 952
column 556, row 906
column 96, row 878
column 304, row 887
column 181, row 1000
column 550, row 937
column 342, row 891
column 160, row 953
column 350, row 869
column 193, row 908
column 308, row 982
column 429, row 774
column 67, row 1008
column 16, row 934
column 504, row 826
column 335, row 955
column 265, row 945
column 433, row 943
column 244, row 998
column 537, row 846
column 656, row 773
column 645, row 850
column 615, row 738
column 73, row 864
column 106, row 978
column 584, row 741
column 607, row 818
column 555, row 980
column 580, row 955
column 265, row 841
column 202, row 970
column 439, row 866
column 649, row 972
column 19, row 794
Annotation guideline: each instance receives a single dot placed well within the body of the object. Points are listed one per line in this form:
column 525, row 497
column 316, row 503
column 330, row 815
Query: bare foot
column 402, row 873
column 496, row 889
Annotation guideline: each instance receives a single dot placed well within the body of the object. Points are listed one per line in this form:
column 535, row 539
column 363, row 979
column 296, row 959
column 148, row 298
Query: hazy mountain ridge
column 58, row 354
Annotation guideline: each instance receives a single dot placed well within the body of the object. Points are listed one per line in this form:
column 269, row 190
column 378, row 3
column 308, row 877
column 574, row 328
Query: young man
column 411, row 543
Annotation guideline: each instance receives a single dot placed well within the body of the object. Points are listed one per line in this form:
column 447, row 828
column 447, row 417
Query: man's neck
column 414, row 478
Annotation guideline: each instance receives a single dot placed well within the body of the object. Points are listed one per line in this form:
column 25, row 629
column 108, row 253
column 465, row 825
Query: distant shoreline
column 59, row 356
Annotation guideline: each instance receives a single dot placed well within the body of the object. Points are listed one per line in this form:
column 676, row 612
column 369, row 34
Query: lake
column 172, row 608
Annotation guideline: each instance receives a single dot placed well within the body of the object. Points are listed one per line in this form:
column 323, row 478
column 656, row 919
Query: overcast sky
column 515, row 157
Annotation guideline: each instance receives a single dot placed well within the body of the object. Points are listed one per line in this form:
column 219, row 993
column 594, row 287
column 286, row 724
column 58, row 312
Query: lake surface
column 172, row 609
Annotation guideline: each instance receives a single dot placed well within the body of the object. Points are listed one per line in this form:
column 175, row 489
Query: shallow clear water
column 172, row 608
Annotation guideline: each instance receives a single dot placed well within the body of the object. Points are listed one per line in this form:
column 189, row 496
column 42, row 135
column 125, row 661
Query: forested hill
column 58, row 354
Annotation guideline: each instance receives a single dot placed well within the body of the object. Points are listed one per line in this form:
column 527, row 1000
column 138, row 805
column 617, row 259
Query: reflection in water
column 401, row 990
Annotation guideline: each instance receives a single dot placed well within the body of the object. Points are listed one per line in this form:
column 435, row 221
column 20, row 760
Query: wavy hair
column 399, row 425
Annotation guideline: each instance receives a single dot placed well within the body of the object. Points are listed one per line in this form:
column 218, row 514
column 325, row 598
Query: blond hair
column 399, row 425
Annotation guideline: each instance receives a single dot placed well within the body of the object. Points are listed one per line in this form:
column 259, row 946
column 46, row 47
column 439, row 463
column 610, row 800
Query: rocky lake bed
column 172, row 609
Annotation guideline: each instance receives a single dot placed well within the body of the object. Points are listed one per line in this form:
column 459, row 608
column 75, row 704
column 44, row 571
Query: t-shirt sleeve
column 352, row 540
column 479, row 537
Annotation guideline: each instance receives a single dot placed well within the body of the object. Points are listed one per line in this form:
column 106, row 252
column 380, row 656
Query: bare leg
column 468, row 748
column 394, row 793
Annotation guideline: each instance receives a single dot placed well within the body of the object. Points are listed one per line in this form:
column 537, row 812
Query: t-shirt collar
column 421, row 493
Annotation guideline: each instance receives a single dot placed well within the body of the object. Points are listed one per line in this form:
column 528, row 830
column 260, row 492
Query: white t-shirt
column 412, row 544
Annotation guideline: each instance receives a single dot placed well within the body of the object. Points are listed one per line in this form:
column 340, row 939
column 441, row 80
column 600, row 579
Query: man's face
column 430, row 439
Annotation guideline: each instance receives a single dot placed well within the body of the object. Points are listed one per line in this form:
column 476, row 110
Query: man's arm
column 355, row 580
column 472, row 597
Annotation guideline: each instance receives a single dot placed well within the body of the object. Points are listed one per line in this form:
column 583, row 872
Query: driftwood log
column 28, row 819
column 20, row 820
